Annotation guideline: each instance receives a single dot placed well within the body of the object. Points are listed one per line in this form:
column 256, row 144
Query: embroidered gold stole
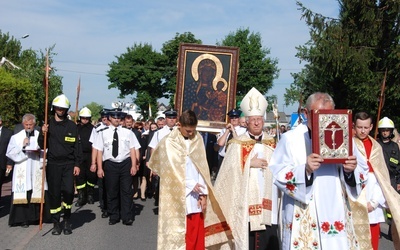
column 381, row 172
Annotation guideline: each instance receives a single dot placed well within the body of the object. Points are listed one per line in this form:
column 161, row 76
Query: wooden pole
column 78, row 90
column 46, row 105
column 380, row 106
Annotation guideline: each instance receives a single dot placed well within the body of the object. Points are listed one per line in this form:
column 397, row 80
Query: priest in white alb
column 321, row 202
column 27, row 175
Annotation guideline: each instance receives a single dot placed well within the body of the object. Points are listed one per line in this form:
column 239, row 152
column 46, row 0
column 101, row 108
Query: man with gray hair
column 244, row 186
column 315, row 214
column 27, row 180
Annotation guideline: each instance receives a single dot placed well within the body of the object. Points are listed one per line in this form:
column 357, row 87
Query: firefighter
column 86, row 179
column 391, row 150
column 63, row 161
column 391, row 153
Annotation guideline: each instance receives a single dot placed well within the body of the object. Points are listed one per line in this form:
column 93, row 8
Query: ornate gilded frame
column 210, row 97
column 332, row 134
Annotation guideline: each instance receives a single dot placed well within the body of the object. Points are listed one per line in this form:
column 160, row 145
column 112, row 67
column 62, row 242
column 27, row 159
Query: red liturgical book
column 332, row 134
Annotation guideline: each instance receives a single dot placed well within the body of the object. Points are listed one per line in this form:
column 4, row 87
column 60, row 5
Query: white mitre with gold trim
column 254, row 103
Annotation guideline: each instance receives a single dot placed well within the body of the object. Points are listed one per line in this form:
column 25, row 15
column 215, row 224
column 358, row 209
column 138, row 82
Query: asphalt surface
column 90, row 231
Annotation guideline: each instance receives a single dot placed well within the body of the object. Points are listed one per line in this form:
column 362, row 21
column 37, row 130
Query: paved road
column 90, row 231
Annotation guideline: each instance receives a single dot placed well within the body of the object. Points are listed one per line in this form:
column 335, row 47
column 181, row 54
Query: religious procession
column 239, row 188
column 220, row 166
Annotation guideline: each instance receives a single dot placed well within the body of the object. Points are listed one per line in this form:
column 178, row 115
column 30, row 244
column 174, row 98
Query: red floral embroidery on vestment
column 325, row 227
column 339, row 225
column 290, row 187
column 332, row 229
column 289, row 176
column 290, row 182
column 314, row 225
column 246, row 149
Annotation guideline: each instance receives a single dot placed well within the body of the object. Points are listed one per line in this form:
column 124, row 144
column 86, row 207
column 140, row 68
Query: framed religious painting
column 206, row 83
column 332, row 134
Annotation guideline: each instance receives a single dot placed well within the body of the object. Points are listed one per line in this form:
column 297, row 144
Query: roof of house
column 271, row 119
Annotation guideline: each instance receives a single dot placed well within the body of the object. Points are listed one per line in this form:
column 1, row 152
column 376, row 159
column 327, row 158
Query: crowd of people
column 242, row 188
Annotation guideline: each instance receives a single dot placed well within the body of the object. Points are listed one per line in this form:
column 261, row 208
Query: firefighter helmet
column 385, row 123
column 61, row 101
column 85, row 112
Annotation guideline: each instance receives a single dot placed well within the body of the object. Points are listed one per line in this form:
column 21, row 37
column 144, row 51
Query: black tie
column 115, row 144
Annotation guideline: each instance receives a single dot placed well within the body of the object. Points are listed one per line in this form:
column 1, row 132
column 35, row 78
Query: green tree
column 95, row 108
column 348, row 56
column 139, row 71
column 32, row 69
column 10, row 47
column 16, row 97
column 256, row 69
column 170, row 50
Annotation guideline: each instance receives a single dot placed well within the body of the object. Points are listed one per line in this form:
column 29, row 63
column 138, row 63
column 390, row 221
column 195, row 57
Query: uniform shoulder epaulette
column 101, row 130
column 97, row 125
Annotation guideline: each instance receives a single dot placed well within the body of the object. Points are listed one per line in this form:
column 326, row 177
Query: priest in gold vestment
column 180, row 161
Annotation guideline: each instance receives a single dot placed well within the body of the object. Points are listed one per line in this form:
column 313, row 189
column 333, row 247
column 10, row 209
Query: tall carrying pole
column 380, row 106
column 46, row 86
column 78, row 90
column 299, row 109
column 276, row 116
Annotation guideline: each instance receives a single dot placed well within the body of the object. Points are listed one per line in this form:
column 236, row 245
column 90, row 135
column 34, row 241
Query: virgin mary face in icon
column 207, row 70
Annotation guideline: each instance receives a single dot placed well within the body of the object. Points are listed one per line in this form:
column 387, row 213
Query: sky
column 88, row 35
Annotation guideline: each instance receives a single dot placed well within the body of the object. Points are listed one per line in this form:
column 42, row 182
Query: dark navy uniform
column 63, row 155
column 86, row 179
column 391, row 152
